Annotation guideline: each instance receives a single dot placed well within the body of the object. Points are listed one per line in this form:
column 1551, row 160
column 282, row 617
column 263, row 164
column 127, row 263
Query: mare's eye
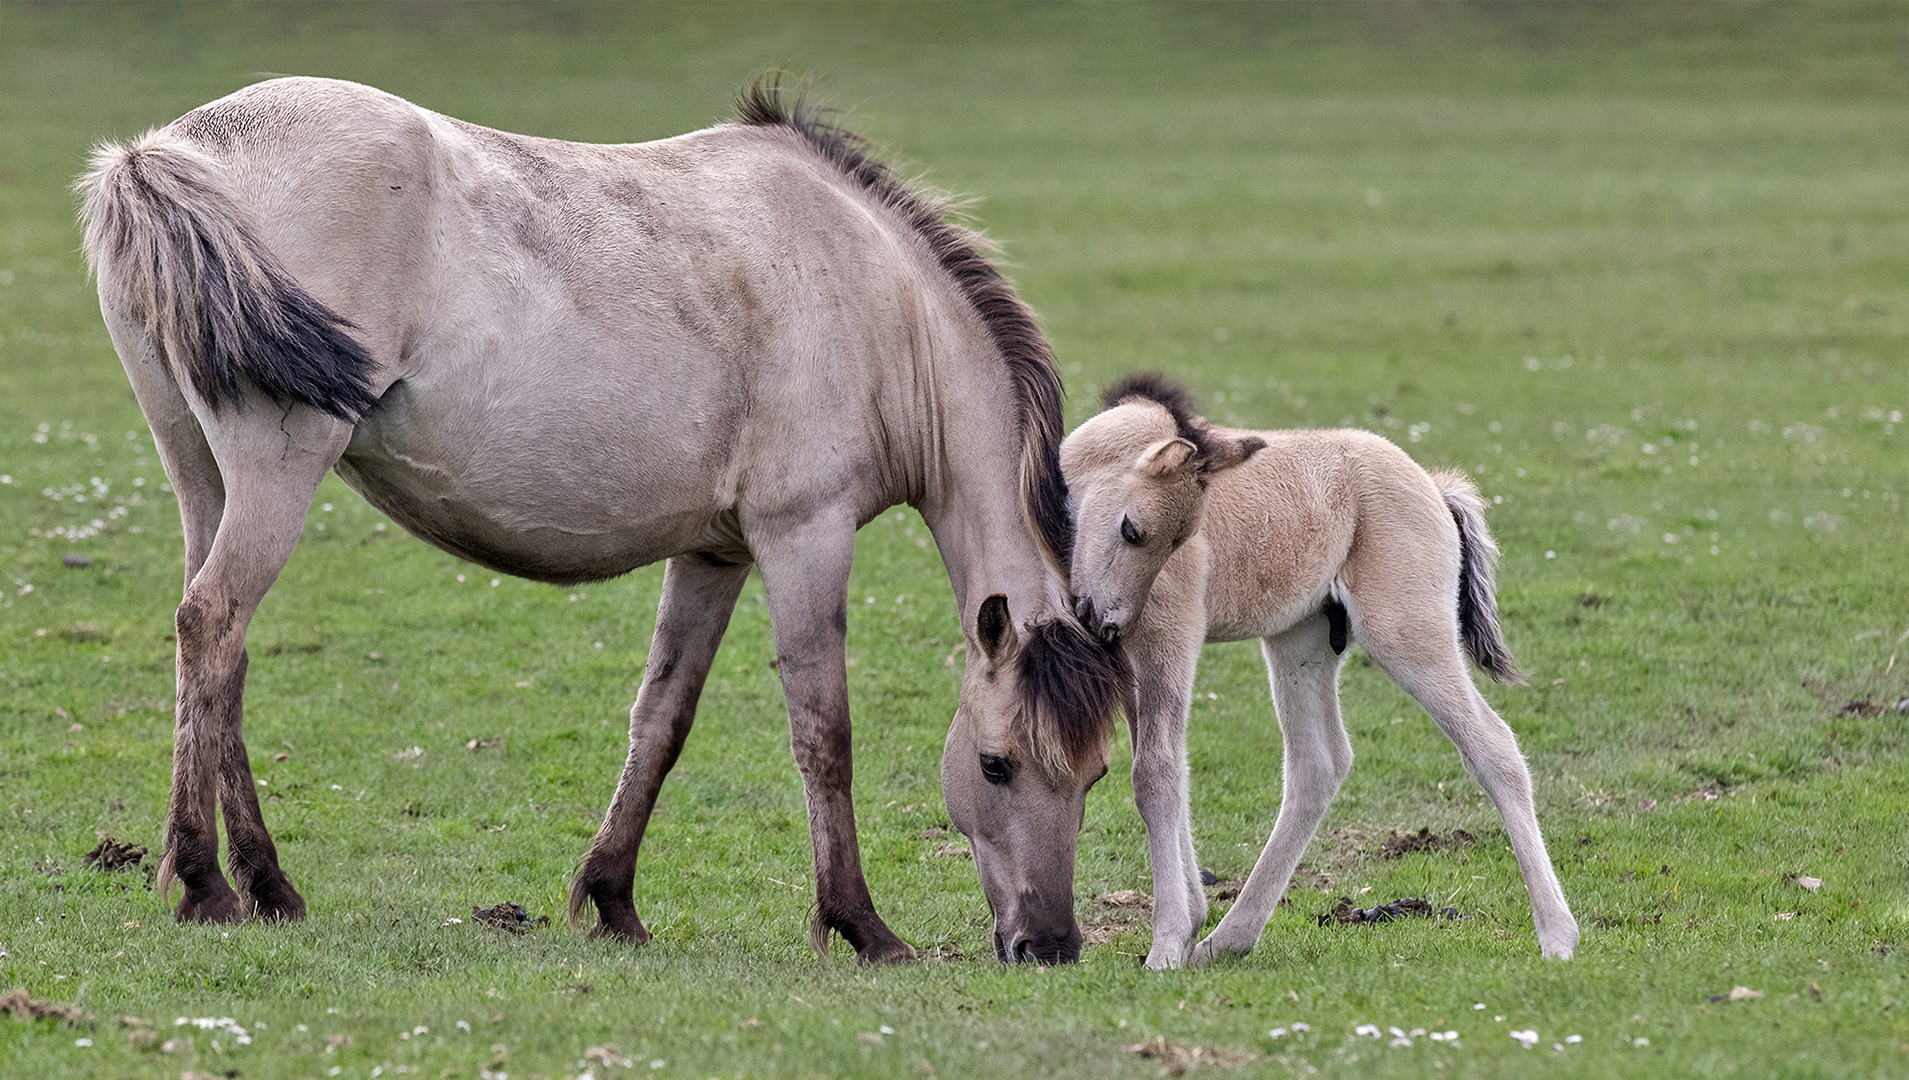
column 1128, row 532
column 997, row 770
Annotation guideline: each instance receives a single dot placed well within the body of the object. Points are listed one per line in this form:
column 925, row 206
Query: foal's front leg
column 805, row 573
column 1165, row 658
column 699, row 595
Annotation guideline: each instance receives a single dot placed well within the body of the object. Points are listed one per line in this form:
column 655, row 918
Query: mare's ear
column 1223, row 454
column 994, row 627
column 1163, row 457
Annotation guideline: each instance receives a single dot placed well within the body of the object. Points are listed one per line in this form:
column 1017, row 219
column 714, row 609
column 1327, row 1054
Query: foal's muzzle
column 1099, row 626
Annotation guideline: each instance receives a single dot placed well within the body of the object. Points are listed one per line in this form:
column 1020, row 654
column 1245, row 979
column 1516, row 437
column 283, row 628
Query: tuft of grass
column 1636, row 269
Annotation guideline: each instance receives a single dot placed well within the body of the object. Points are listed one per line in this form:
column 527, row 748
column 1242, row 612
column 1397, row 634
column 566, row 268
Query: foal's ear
column 1163, row 457
column 1225, row 453
column 994, row 627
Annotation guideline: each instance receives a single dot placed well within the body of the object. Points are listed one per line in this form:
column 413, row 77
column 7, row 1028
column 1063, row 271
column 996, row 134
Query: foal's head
column 1028, row 740
column 1136, row 478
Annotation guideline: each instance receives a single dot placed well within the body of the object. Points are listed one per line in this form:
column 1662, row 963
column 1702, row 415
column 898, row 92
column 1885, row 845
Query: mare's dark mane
column 963, row 256
column 1070, row 681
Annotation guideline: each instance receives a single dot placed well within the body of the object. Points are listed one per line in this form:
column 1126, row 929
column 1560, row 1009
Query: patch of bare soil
column 1179, row 1058
column 1344, row 913
column 1708, row 791
column 1398, row 847
column 1113, row 914
column 22, row 1005
column 509, row 916
column 115, row 854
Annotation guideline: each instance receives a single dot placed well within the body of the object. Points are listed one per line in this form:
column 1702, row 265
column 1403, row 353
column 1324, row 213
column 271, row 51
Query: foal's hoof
column 218, row 904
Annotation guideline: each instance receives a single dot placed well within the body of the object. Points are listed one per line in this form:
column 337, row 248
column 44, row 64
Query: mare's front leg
column 805, row 574
column 271, row 469
column 1304, row 672
column 699, row 594
column 1165, row 658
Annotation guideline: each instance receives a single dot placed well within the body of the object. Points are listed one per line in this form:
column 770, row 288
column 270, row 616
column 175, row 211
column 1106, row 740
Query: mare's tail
column 1477, row 556
column 173, row 250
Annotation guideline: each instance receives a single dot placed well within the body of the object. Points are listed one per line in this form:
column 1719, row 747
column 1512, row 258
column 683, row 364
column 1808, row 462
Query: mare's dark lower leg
column 210, row 685
column 806, row 576
column 698, row 598
column 250, row 853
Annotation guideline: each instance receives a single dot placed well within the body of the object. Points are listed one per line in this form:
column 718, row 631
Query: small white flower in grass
column 1640, row 1041
column 1527, row 1038
column 420, row 1030
column 1416, row 1032
column 1276, row 1033
column 1301, row 1025
column 1574, row 1038
column 1398, row 1037
column 326, row 507
column 1369, row 1030
column 1498, row 1019
column 886, row 1030
column 453, row 921
column 82, row 1042
column 1480, row 1007
column 1550, row 554
column 460, row 577
column 301, row 1027
column 334, row 1070
column 463, row 1025
column 495, row 582
column 657, row 1063
column 336, row 787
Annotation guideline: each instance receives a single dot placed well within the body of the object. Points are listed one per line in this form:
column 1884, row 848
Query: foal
column 1189, row 533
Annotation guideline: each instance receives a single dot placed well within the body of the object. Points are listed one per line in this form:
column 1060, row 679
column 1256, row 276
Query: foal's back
column 1311, row 511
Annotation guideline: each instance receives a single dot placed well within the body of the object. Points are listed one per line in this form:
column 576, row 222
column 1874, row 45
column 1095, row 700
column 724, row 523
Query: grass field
column 1640, row 269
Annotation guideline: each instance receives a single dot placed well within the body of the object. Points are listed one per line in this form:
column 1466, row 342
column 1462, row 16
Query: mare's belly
column 552, row 490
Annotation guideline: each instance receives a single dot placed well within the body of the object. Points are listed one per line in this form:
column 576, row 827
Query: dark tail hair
column 1477, row 557
column 166, row 240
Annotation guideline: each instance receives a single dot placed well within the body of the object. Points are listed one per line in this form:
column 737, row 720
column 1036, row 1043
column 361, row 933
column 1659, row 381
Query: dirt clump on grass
column 1398, row 847
column 1345, row 913
column 1178, row 1058
column 24, row 1006
column 115, row 854
column 508, row 916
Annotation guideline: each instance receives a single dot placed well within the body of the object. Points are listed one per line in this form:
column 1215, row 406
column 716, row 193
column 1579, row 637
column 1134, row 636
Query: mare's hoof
column 629, row 933
column 892, row 951
column 277, row 900
column 215, row 905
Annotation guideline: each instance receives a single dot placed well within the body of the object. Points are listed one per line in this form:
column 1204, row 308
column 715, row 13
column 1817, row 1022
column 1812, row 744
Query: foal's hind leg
column 699, row 594
column 1304, row 672
column 1422, row 655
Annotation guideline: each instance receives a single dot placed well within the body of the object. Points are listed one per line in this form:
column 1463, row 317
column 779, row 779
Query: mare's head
column 1136, row 479
column 1029, row 739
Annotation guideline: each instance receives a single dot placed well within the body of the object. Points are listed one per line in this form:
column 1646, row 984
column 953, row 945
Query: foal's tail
column 172, row 248
column 1477, row 556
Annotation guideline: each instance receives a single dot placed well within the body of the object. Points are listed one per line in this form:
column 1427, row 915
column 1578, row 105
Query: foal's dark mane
column 1070, row 681
column 1169, row 395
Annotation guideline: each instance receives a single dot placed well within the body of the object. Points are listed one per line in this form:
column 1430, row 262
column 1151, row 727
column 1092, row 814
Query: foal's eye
column 1129, row 532
column 997, row 770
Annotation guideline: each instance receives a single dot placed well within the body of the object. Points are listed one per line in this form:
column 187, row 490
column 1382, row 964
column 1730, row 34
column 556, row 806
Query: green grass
column 1566, row 248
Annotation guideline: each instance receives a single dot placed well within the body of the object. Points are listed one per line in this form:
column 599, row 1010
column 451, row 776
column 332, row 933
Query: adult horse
column 563, row 361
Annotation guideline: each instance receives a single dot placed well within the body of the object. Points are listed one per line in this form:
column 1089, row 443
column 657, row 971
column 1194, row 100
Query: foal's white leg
column 1490, row 753
column 1317, row 756
column 1165, row 659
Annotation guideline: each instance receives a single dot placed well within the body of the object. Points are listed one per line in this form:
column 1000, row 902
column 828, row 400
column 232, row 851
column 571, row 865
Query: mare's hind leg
column 699, row 594
column 1304, row 672
column 1420, row 651
column 805, row 573
column 272, row 462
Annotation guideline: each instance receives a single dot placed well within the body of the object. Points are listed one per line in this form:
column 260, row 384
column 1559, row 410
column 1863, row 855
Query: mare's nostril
column 1024, row 951
column 1109, row 633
